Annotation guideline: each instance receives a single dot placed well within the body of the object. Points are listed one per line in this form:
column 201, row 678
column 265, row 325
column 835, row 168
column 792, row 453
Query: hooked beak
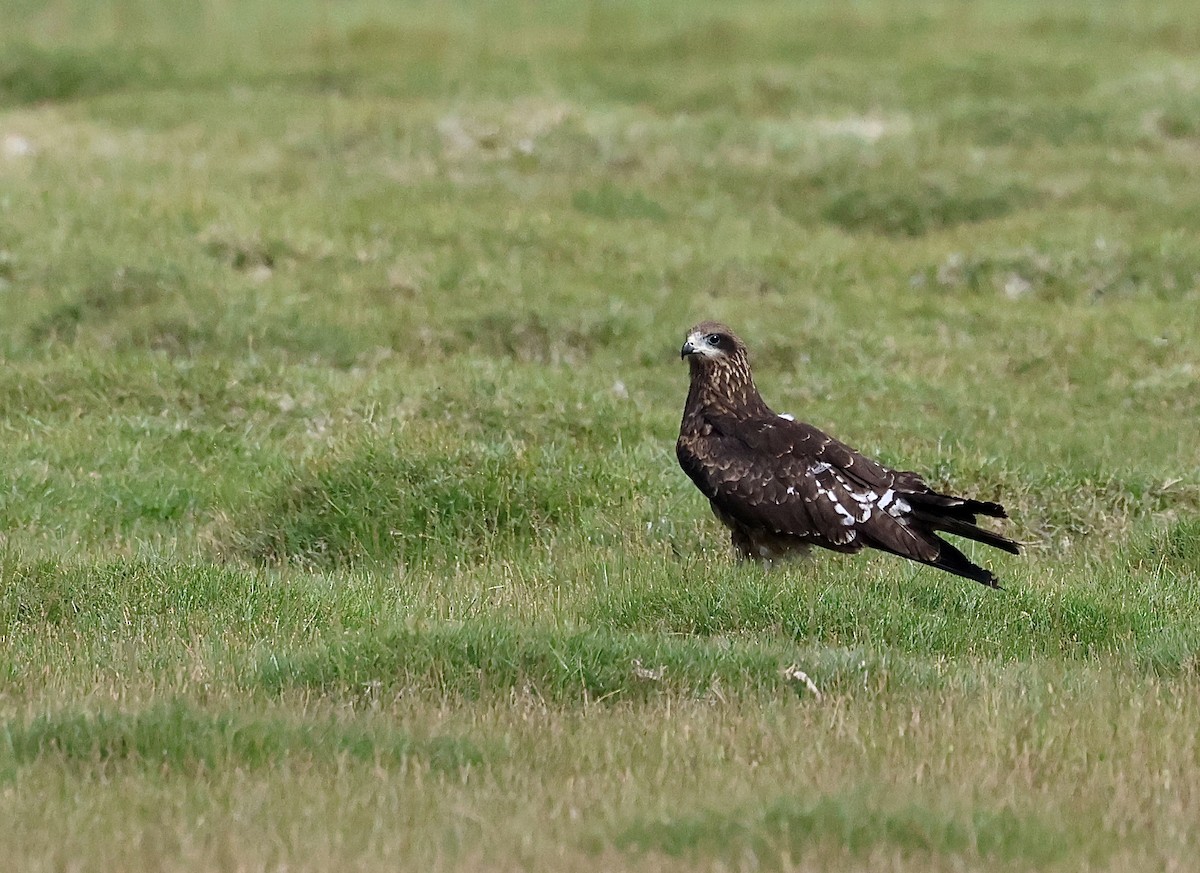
column 688, row 349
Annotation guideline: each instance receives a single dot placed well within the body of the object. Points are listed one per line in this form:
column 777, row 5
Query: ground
column 340, row 526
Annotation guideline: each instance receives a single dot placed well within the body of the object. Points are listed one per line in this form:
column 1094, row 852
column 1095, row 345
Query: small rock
column 1016, row 286
column 17, row 146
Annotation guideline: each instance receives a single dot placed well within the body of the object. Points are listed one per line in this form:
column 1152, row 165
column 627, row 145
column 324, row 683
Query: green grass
column 856, row 824
column 340, row 526
column 179, row 738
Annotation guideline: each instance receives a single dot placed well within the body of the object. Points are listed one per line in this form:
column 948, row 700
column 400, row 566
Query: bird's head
column 720, row 368
column 711, row 343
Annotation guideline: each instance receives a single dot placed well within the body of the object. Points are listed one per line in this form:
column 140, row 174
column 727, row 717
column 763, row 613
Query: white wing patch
column 851, row 503
column 864, row 502
column 786, row 417
column 895, row 505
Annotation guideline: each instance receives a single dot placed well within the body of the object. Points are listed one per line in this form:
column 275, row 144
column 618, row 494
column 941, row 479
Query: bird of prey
column 781, row 486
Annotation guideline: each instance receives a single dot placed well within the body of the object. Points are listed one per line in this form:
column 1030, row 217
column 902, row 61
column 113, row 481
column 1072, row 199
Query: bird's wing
column 792, row 478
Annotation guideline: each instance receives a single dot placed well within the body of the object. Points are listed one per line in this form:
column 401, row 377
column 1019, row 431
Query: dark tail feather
column 948, row 558
column 956, row 515
column 962, row 508
column 984, row 507
column 953, row 561
column 969, row 531
column 933, row 513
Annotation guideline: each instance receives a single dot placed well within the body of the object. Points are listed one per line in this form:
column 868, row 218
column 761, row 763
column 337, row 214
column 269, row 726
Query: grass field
column 340, row 525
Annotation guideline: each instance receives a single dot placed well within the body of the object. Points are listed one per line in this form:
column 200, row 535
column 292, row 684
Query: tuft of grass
column 831, row 605
column 391, row 502
column 899, row 198
column 610, row 202
column 34, row 74
column 790, row 827
column 481, row 659
column 242, row 252
column 115, row 301
column 1006, row 123
column 1107, row 272
column 533, row 337
column 1177, row 547
column 914, row 211
column 469, row 660
column 180, row 738
column 115, row 599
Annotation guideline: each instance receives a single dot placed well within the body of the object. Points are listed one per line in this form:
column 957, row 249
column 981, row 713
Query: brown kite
column 782, row 486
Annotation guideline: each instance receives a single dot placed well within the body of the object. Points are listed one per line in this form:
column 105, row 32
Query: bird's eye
column 713, row 339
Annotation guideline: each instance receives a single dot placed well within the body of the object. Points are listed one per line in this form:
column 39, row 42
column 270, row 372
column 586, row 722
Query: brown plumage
column 781, row 486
